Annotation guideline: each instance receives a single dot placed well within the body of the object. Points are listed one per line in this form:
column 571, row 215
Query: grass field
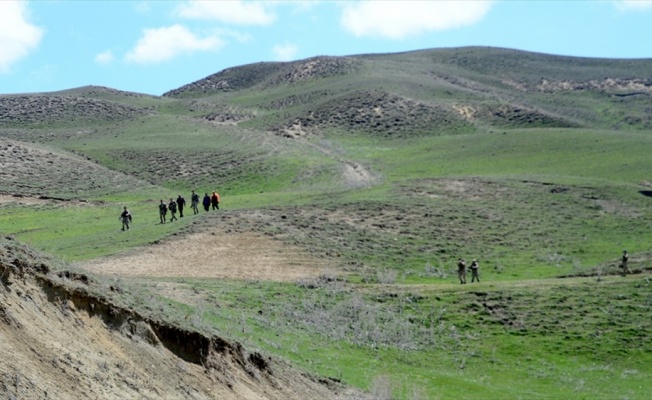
column 399, row 322
column 546, row 206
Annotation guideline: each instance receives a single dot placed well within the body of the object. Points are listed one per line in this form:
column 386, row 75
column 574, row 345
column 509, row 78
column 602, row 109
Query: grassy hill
column 387, row 168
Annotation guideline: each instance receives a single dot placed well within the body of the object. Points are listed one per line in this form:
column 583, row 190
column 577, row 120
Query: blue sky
column 155, row 46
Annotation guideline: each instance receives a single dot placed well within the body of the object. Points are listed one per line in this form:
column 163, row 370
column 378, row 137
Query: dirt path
column 355, row 174
column 246, row 256
column 30, row 200
column 5, row 199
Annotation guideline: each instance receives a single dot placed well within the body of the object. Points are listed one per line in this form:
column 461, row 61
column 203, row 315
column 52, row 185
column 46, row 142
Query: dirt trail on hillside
column 355, row 174
column 246, row 256
column 4, row 199
column 30, row 200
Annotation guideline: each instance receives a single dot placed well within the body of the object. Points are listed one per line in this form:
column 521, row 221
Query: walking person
column 206, row 202
column 162, row 211
column 172, row 206
column 623, row 263
column 181, row 203
column 125, row 217
column 215, row 201
column 461, row 270
column 194, row 202
column 474, row 271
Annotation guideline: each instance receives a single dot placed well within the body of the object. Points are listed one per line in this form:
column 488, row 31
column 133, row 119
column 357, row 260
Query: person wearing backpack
column 162, row 211
column 125, row 217
column 474, row 271
column 172, row 206
column 461, row 270
column 194, row 202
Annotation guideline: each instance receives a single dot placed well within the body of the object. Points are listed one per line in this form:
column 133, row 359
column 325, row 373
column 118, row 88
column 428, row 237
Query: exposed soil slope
column 59, row 340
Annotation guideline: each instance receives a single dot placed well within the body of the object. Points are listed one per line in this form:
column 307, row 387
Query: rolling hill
column 350, row 188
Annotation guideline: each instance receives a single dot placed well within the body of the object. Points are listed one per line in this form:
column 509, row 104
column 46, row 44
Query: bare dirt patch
column 634, row 86
column 246, row 256
column 4, row 199
column 30, row 201
column 60, row 341
column 462, row 189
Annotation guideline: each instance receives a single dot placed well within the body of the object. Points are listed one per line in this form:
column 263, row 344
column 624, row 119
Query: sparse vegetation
column 371, row 175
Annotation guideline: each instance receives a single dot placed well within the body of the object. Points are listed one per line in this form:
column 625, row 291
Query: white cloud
column 162, row 44
column 633, row 5
column 17, row 35
column 241, row 37
column 105, row 57
column 285, row 52
column 238, row 36
column 400, row 19
column 230, row 12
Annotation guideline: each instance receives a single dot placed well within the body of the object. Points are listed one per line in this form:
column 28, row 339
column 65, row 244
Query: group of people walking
column 179, row 204
column 174, row 205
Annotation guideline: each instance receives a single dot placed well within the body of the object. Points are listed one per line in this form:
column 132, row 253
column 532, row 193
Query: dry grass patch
column 245, row 256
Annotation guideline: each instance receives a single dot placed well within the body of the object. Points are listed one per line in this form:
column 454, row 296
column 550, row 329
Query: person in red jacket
column 215, row 201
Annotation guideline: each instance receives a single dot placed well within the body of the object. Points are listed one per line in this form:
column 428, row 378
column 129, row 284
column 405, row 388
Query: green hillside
column 389, row 167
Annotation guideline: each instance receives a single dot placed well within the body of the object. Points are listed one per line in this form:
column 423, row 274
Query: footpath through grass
column 550, row 339
column 86, row 231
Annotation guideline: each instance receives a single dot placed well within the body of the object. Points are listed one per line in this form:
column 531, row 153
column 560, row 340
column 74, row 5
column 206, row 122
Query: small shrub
column 387, row 276
column 381, row 388
column 433, row 271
